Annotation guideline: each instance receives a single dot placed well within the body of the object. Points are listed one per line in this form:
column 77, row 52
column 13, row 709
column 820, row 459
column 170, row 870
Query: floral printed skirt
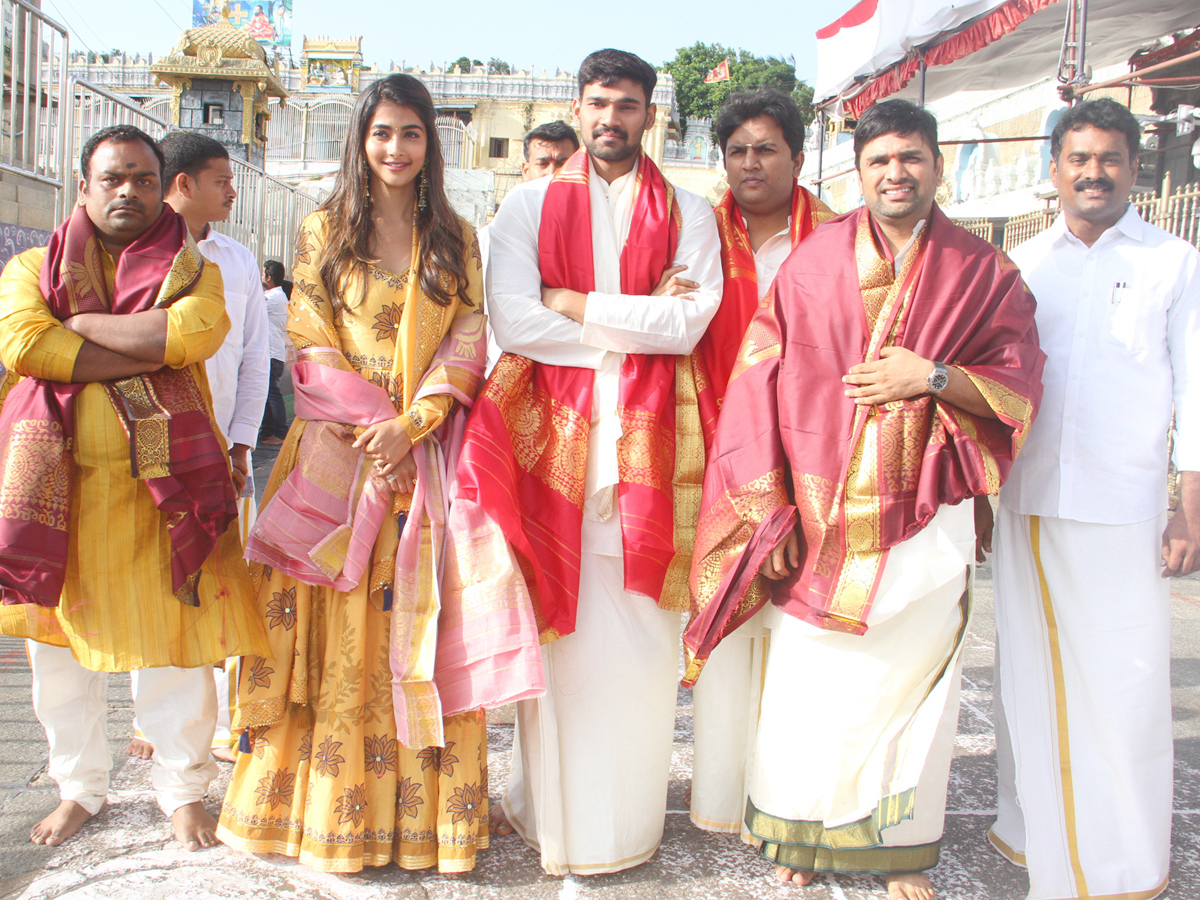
column 328, row 782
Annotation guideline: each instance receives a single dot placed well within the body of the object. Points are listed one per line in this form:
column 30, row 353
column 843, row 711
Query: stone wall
column 26, row 214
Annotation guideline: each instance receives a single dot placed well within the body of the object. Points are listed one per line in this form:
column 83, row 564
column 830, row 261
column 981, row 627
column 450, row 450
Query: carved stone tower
column 221, row 83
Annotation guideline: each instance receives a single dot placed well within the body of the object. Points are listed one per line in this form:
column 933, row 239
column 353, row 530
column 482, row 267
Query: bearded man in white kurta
column 597, row 332
column 1084, row 546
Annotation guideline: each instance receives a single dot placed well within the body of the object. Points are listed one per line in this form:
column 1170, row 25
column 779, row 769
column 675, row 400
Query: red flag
column 720, row 73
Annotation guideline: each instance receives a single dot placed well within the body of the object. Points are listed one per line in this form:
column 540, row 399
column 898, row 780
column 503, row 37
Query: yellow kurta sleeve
column 426, row 414
column 310, row 312
column 197, row 322
column 32, row 341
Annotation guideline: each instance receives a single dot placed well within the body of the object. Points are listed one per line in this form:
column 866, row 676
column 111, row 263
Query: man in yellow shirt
column 119, row 547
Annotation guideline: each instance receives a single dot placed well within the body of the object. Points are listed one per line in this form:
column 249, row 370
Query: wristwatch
column 938, row 378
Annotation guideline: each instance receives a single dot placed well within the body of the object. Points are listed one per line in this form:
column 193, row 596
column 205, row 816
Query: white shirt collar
column 1130, row 224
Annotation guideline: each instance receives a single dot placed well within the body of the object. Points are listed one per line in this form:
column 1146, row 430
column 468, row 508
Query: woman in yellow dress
column 346, row 760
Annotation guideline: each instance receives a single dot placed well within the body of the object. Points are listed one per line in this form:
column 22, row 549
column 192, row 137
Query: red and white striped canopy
column 873, row 50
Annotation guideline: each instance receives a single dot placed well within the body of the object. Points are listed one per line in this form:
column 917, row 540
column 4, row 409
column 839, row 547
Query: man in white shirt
column 762, row 216
column 592, row 758
column 275, row 424
column 546, row 150
column 198, row 184
column 1084, row 544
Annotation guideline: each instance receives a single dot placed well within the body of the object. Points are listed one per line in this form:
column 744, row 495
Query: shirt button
column 1074, row 377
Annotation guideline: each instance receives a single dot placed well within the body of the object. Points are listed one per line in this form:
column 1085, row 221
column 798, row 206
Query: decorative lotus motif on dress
column 352, row 805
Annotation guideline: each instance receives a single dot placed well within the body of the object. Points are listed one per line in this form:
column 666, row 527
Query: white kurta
column 725, row 701
column 591, row 761
column 1083, row 712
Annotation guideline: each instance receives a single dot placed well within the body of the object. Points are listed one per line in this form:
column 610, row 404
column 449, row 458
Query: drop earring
column 423, row 192
column 366, row 181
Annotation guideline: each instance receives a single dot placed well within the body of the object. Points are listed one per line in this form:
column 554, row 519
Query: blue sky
column 525, row 34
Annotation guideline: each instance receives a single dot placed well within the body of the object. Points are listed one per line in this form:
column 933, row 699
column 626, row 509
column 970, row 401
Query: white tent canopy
column 1015, row 42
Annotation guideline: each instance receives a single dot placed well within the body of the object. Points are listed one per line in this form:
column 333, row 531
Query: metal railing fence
column 1019, row 229
column 267, row 213
column 93, row 109
column 1177, row 212
column 308, row 131
column 265, row 217
column 33, row 70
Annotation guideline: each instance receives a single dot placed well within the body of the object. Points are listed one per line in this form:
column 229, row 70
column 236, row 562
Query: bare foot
column 794, row 876
column 910, row 886
column 194, row 827
column 68, row 817
column 498, row 822
column 225, row 754
column 139, row 748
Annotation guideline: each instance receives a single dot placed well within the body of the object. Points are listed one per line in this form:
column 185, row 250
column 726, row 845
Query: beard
column 612, row 152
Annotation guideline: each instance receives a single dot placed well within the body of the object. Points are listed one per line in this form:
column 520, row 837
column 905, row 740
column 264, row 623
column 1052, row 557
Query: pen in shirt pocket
column 1117, row 286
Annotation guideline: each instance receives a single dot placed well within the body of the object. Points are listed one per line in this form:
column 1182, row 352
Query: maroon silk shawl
column 524, row 459
column 791, row 443
column 172, row 443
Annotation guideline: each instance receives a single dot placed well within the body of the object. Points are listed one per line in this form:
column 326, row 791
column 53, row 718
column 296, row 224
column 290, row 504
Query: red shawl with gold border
column 719, row 346
column 172, row 442
column 524, row 460
column 860, row 479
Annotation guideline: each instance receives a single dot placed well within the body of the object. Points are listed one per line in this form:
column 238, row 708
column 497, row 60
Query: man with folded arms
column 118, row 521
column 586, row 449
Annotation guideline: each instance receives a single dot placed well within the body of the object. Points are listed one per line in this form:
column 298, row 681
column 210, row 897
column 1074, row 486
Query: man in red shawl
column 892, row 377
column 587, row 449
column 761, row 218
column 119, row 547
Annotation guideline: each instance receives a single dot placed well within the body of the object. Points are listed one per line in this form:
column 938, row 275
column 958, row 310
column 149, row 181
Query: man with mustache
column 1084, row 545
column 198, row 181
column 119, row 548
column 891, row 377
column 586, row 451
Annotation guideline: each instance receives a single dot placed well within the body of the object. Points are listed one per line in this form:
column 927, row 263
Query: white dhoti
column 857, row 731
column 725, row 709
column 1083, row 706
column 176, row 709
column 592, row 758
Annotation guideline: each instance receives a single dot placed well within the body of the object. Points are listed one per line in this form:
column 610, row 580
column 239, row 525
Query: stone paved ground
column 127, row 852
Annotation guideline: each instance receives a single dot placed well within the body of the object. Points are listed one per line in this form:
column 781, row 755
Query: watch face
column 938, row 379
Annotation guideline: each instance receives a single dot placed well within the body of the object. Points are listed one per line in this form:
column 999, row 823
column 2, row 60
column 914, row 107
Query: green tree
column 465, row 64
column 498, row 67
column 696, row 99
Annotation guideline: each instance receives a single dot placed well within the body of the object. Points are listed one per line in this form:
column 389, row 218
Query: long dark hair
column 347, row 210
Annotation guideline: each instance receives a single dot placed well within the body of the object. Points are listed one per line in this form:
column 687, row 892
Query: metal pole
column 921, row 97
column 64, row 172
column 1082, row 76
column 820, row 149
